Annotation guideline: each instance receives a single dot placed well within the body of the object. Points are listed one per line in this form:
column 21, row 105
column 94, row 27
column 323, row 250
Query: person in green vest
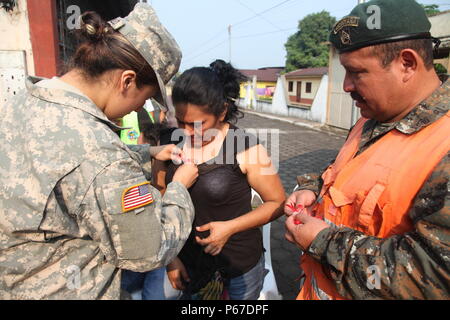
column 134, row 122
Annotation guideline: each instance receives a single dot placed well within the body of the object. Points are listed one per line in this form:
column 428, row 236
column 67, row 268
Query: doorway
column 299, row 91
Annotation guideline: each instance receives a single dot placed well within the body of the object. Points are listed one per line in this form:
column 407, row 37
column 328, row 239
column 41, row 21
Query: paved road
column 301, row 150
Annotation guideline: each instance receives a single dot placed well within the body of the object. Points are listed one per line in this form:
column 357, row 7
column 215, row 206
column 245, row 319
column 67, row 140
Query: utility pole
column 229, row 38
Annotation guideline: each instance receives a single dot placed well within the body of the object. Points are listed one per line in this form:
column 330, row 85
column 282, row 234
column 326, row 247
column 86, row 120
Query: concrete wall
column 440, row 25
column 440, row 28
column 15, row 33
column 16, row 55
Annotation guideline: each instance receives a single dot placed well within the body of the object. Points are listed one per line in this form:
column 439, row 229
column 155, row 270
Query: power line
column 220, row 32
column 263, row 33
column 206, row 42
column 239, row 37
column 206, row 51
column 259, row 15
column 240, row 22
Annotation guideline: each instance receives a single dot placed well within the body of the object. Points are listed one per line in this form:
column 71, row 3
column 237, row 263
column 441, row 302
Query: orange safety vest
column 373, row 192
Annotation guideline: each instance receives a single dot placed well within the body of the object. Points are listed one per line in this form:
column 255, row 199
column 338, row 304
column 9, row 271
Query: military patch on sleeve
column 136, row 196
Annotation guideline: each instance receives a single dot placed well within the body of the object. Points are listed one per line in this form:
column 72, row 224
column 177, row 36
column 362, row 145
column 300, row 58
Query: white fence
column 279, row 104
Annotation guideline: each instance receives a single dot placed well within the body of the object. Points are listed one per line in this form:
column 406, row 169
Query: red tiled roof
column 307, row 72
column 263, row 74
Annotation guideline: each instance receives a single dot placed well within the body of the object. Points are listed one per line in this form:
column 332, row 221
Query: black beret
column 380, row 21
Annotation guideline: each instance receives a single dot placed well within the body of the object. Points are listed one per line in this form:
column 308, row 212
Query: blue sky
column 259, row 28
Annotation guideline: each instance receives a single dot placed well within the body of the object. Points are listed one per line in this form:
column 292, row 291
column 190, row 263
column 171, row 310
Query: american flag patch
column 136, row 196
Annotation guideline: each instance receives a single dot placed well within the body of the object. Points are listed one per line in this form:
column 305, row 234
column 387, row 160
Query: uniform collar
column 427, row 112
column 69, row 99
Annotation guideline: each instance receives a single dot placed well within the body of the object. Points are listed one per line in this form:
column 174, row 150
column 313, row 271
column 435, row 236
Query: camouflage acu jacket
column 417, row 263
column 63, row 231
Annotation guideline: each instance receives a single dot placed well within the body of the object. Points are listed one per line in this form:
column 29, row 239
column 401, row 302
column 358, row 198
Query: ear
column 127, row 81
column 224, row 112
column 409, row 63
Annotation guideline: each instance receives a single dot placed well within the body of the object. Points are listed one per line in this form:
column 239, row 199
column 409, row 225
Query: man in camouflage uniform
column 413, row 264
column 64, row 233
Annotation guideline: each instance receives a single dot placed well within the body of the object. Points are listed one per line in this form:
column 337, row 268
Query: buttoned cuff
column 308, row 182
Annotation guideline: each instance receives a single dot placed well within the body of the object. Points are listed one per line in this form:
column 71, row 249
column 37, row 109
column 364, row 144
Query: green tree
column 431, row 9
column 440, row 69
column 308, row 46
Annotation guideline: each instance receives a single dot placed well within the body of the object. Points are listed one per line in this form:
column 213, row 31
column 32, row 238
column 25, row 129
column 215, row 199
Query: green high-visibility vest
column 130, row 136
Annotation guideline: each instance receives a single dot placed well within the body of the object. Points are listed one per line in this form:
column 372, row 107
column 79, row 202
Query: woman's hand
column 219, row 233
column 176, row 272
column 298, row 201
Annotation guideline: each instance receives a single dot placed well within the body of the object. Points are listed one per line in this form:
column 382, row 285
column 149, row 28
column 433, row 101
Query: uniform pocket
column 136, row 234
column 370, row 208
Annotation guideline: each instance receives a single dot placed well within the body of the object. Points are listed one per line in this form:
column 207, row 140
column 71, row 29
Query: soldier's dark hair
column 152, row 132
column 388, row 52
column 216, row 87
column 103, row 49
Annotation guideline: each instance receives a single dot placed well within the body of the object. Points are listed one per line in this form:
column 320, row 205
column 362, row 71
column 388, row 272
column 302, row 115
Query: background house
column 303, row 85
column 312, row 104
column 260, row 83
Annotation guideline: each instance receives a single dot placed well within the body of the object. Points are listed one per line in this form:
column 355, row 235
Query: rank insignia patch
column 136, row 196
column 345, row 37
column 346, row 22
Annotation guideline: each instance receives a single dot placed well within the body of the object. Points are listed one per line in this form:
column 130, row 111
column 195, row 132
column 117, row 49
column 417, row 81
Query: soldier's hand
column 304, row 233
column 167, row 152
column 298, row 201
column 186, row 174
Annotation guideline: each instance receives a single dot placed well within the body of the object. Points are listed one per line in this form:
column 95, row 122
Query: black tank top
column 222, row 193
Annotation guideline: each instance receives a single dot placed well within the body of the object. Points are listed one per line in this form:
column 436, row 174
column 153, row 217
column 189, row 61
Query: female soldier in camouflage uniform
column 75, row 206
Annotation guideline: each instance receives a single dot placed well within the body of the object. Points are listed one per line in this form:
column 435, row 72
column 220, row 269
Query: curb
column 314, row 126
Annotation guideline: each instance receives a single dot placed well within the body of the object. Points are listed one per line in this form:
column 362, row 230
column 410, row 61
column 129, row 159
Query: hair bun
column 223, row 70
column 229, row 77
column 92, row 27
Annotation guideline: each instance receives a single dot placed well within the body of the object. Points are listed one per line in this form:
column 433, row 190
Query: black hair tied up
column 217, row 87
column 93, row 28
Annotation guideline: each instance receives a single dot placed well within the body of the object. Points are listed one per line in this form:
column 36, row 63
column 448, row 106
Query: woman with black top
column 226, row 242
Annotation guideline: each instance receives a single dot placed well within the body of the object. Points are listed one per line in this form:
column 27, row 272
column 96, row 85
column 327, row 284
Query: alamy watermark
column 73, row 275
column 374, row 21
column 373, row 278
column 73, row 21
